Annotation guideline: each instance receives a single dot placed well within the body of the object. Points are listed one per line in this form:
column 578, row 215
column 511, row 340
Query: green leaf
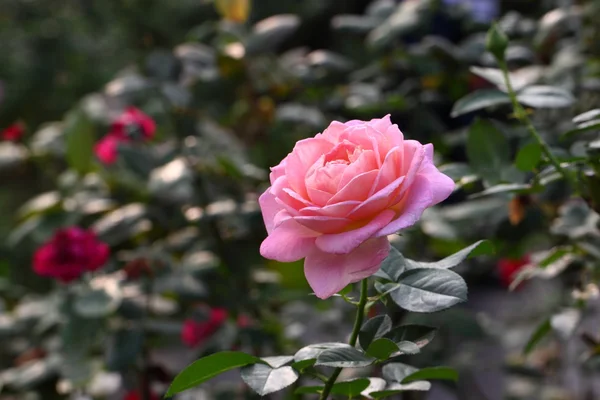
column 373, row 329
column 278, row 361
column 478, row 248
column 264, row 380
column 528, row 157
column 398, row 388
column 587, row 116
column 487, row 150
column 584, row 127
column 79, row 137
column 348, row 357
column 396, row 372
column 504, row 188
column 438, row 373
column 347, row 388
column 208, row 367
column 428, row 290
column 478, row 100
column 419, row 335
column 542, row 330
column 539, row 96
column 382, row 348
column 96, row 303
column 393, row 265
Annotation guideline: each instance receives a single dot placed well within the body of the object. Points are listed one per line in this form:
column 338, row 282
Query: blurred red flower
column 71, row 252
column 13, row 133
column 195, row 332
column 131, row 125
column 135, row 395
column 508, row 268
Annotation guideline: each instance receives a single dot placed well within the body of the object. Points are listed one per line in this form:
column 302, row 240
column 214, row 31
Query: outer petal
column 305, row 154
column 289, row 242
column 418, row 198
column 329, row 273
column 345, row 242
column 106, row 149
column 269, row 208
column 377, row 202
column 441, row 185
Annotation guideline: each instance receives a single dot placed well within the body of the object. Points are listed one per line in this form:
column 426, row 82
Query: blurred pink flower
column 131, row 125
column 335, row 198
column 13, row 133
column 195, row 332
column 71, row 252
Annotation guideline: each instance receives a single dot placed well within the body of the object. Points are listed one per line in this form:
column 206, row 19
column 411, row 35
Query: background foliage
column 230, row 96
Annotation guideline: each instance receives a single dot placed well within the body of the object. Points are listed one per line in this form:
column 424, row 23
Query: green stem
column 521, row 115
column 360, row 314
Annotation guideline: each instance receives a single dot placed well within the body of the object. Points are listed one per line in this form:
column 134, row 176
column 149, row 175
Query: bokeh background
column 232, row 85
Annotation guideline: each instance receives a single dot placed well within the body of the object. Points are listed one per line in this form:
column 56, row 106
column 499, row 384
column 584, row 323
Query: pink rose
column 335, row 198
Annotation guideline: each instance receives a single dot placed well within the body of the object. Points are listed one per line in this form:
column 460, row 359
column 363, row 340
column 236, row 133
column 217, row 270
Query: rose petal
column 390, row 169
column 365, row 162
column 357, row 189
column 345, row 242
column 328, row 273
column 269, row 207
column 304, row 155
column 340, row 210
column 289, row 242
column 323, row 224
column 418, row 198
column 378, row 201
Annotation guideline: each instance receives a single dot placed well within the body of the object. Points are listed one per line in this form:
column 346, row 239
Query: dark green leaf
column 529, row 157
column 348, row 357
column 396, row 372
column 545, row 97
column 382, row 348
column 124, row 348
column 373, row 329
column 478, row 248
column 542, row 330
column 587, row 116
column 264, row 380
column 269, row 33
column 428, row 290
column 584, row 127
column 420, row 335
column 347, row 388
column 398, row 388
column 278, row 361
column 406, row 347
column 479, row 99
column 393, row 265
column 96, row 303
column 504, row 188
column 79, row 137
column 438, row 373
column 311, row 352
column 487, row 150
column 208, row 367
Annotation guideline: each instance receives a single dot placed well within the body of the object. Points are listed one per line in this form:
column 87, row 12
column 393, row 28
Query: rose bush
column 334, row 199
column 70, row 253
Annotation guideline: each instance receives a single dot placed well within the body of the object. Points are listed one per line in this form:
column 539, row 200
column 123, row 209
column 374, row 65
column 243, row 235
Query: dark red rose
column 71, row 252
column 195, row 332
column 243, row 321
column 13, row 133
column 135, row 395
column 131, row 125
column 509, row 268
